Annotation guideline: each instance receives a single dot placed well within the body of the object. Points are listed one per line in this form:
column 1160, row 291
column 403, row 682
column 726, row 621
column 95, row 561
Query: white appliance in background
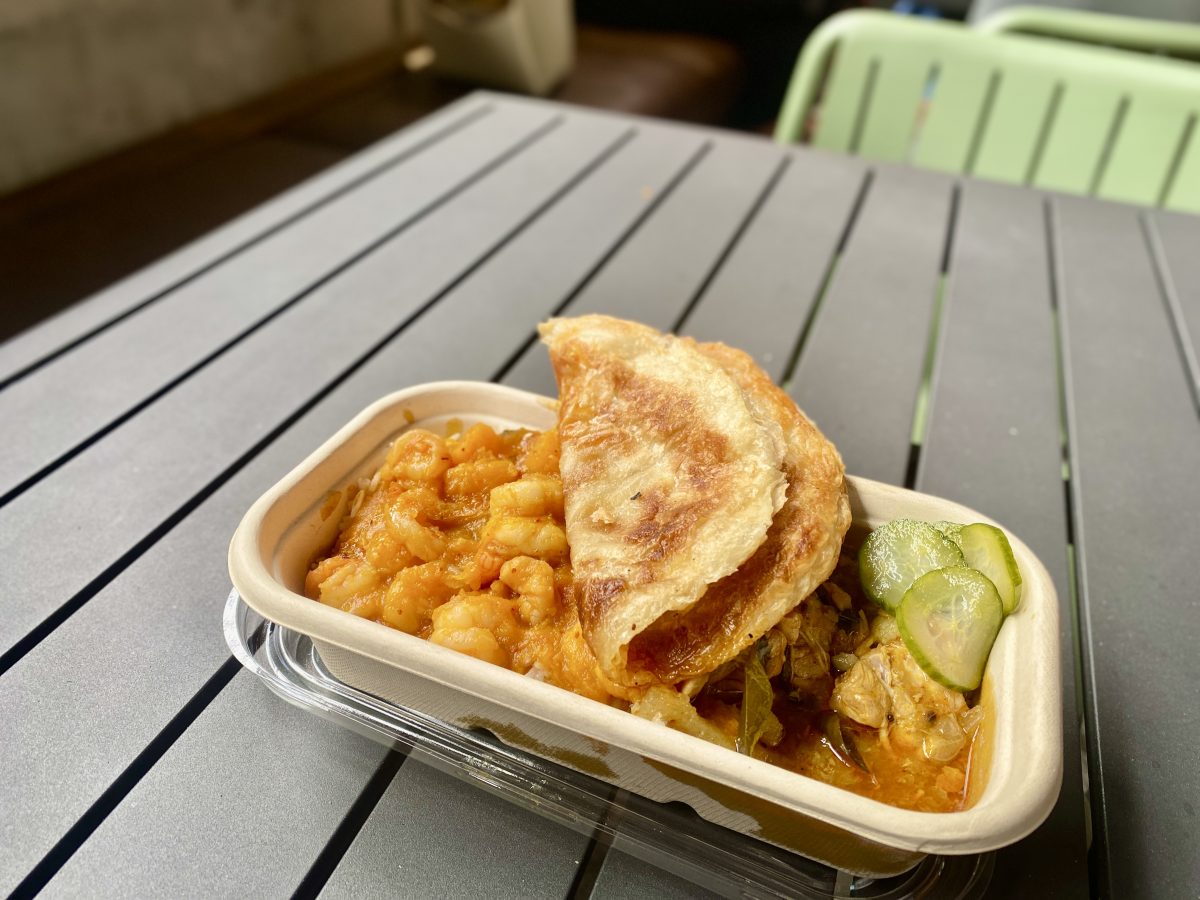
column 520, row 45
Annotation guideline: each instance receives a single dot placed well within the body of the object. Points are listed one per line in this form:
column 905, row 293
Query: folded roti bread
column 800, row 551
column 671, row 476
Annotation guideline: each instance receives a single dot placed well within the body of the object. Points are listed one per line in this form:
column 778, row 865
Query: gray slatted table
column 1061, row 340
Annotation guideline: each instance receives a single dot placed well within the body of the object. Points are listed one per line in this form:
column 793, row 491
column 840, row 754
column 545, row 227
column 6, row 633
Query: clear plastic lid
column 670, row 836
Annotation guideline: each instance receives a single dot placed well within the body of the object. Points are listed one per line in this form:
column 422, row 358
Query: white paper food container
column 1017, row 761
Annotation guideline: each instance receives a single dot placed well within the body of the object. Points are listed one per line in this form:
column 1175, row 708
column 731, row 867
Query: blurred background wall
column 80, row 78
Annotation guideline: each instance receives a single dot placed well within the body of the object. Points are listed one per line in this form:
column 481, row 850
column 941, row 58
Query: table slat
column 194, row 259
column 994, row 444
column 764, row 293
column 111, row 374
column 425, row 838
column 247, row 821
column 612, row 215
column 654, row 277
column 1178, row 243
column 1135, row 454
column 625, row 875
column 176, row 645
column 158, row 461
column 862, row 362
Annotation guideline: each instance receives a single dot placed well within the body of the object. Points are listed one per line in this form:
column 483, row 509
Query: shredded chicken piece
column 887, row 689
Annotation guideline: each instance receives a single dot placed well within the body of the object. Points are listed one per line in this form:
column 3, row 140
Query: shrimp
column 413, row 595
column 477, row 477
column 533, row 581
column 479, row 441
column 355, row 587
column 533, row 495
column 417, row 455
column 479, row 624
column 506, row 537
column 405, row 520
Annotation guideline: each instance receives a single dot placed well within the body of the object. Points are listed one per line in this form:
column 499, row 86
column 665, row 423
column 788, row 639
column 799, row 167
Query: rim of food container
column 978, row 829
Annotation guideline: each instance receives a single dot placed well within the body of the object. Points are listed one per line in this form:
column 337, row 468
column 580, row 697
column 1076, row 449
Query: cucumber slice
column 949, row 620
column 987, row 549
column 898, row 553
column 949, row 529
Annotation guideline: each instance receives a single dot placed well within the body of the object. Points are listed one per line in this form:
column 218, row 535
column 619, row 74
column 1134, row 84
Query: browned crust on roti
column 671, row 476
column 661, row 525
column 800, row 550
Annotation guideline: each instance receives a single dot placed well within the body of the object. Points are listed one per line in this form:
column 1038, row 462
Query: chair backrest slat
column 895, row 105
column 1073, row 159
column 1183, row 192
column 959, row 92
column 1054, row 114
column 1018, row 125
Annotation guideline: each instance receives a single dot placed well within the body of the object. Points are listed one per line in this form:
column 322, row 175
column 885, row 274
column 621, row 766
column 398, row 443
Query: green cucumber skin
column 986, row 549
column 920, row 603
column 886, row 588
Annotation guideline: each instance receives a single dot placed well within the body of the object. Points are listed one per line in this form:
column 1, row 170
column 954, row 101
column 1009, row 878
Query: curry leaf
column 756, row 705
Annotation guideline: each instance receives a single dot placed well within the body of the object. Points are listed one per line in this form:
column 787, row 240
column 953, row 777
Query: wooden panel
column 1085, row 115
column 993, row 443
column 1024, row 104
column 1175, row 239
column 654, row 277
column 1143, row 153
column 175, row 646
column 1135, row 451
column 107, row 376
column 424, row 839
column 195, row 258
column 861, row 366
column 199, row 822
column 139, row 475
column 765, row 291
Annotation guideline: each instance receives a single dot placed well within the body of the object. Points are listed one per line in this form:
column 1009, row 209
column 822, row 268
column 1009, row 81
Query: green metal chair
column 1048, row 113
column 1178, row 39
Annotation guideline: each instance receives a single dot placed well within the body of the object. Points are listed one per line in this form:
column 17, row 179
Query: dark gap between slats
column 920, row 423
column 1110, row 141
column 924, row 110
column 864, row 106
column 751, row 214
column 1043, row 137
column 119, row 789
column 356, row 817
column 1185, row 139
column 75, row 836
column 1170, row 298
column 826, row 280
column 981, row 124
column 404, row 155
column 601, row 841
column 393, row 232
column 64, row 612
column 1093, row 801
column 684, row 171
